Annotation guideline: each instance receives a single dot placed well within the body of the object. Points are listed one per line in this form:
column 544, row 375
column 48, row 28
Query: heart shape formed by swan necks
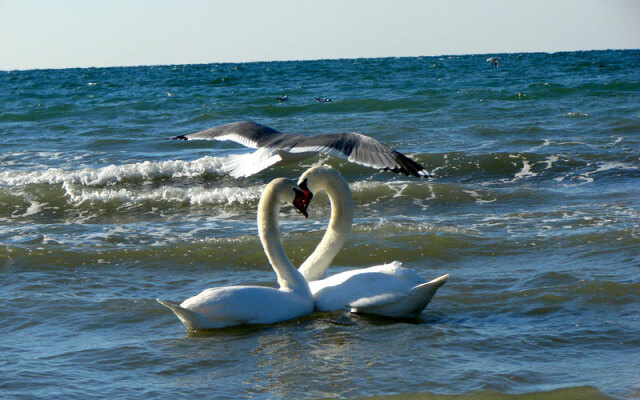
column 388, row 290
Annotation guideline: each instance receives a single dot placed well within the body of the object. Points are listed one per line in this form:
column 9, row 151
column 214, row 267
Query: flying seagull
column 276, row 147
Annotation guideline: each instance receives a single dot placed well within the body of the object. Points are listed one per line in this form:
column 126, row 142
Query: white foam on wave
column 525, row 171
column 386, row 225
column 396, row 187
column 545, row 143
column 399, row 190
column 114, row 173
column 34, row 208
column 478, row 197
column 606, row 167
column 550, row 160
column 587, row 177
column 171, row 194
column 373, row 186
column 576, row 114
column 101, row 184
column 576, row 143
column 614, row 141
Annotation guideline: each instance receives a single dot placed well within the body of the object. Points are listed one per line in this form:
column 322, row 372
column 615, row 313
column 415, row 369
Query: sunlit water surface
column 534, row 211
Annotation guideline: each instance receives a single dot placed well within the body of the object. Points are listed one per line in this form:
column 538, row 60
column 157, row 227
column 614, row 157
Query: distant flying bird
column 275, row 147
column 494, row 61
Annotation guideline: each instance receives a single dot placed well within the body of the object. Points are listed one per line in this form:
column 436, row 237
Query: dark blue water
column 534, row 210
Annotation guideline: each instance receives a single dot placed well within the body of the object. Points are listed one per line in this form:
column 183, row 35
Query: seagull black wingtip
column 180, row 137
column 409, row 167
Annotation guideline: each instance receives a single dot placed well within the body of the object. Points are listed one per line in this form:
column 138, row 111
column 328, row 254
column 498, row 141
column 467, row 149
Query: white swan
column 234, row 305
column 388, row 290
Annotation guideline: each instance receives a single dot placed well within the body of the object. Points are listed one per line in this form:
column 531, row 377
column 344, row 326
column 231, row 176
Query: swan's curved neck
column 269, row 232
column 341, row 199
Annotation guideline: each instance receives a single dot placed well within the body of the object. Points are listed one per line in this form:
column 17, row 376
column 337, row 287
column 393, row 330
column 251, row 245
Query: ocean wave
column 546, row 293
column 387, row 226
column 121, row 188
column 77, row 203
column 170, row 194
column 545, row 159
column 482, row 179
column 111, row 174
column 556, row 163
column 618, row 168
column 423, row 193
column 575, row 392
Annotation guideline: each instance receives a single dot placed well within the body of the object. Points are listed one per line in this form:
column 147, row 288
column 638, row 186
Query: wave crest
column 112, row 174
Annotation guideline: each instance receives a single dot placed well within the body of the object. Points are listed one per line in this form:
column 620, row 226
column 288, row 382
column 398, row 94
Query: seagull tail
column 244, row 165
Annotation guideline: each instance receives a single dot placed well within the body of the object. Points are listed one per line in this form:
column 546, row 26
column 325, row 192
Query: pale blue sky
column 83, row 33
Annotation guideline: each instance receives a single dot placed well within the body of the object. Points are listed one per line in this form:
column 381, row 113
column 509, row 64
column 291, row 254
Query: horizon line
column 309, row 60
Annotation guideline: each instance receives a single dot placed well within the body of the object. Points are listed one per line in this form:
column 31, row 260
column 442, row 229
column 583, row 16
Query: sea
column 533, row 209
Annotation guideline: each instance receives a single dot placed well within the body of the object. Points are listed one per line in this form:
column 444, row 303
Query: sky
column 99, row 33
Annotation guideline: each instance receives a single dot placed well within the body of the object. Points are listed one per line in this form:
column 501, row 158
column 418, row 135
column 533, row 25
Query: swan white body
column 388, row 290
column 235, row 305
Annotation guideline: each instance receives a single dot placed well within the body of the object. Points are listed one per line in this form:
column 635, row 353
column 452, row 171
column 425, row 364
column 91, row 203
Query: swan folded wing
column 420, row 290
column 225, row 305
column 376, row 301
column 378, row 285
column 359, row 149
column 235, row 305
column 391, row 305
column 400, row 274
column 407, row 304
column 249, row 134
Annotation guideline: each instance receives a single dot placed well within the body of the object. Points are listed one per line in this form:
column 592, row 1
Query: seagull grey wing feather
column 248, row 133
column 357, row 148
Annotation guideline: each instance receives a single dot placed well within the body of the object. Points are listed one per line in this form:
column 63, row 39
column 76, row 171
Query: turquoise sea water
column 534, row 210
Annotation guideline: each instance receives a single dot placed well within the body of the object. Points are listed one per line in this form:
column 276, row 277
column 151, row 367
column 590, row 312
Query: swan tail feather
column 189, row 318
column 409, row 305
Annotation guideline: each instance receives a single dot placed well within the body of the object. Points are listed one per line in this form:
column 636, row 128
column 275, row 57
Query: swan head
column 287, row 191
column 316, row 178
column 313, row 180
column 324, row 178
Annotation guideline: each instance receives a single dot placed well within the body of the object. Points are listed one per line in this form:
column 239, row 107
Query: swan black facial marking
column 300, row 202
column 306, row 191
